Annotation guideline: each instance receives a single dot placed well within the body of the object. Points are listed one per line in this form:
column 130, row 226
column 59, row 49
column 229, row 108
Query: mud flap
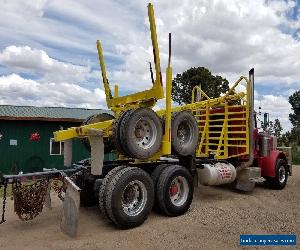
column 246, row 179
column 69, row 222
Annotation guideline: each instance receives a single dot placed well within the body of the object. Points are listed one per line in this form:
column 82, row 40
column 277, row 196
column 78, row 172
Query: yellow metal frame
column 82, row 131
column 218, row 144
column 216, row 139
column 145, row 98
column 195, row 89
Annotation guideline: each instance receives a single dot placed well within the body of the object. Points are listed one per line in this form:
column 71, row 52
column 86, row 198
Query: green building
column 26, row 137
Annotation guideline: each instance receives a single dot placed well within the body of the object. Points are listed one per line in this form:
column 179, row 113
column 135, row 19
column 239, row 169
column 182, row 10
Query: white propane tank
column 216, row 174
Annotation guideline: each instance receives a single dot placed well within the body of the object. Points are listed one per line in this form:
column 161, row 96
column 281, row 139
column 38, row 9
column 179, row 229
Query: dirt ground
column 215, row 220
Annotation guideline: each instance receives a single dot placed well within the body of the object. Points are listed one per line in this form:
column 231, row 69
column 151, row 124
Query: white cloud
column 29, row 9
column 26, row 59
column 226, row 36
column 232, row 36
column 15, row 90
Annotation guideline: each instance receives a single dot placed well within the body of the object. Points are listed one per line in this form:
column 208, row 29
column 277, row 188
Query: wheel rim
column 282, row 174
column 184, row 133
column 145, row 133
column 134, row 198
column 179, row 191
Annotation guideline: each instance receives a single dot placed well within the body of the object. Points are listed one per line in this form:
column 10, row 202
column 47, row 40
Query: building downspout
column 251, row 125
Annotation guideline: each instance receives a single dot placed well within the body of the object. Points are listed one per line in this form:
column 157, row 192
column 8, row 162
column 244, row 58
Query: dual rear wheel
column 127, row 194
column 174, row 189
column 138, row 133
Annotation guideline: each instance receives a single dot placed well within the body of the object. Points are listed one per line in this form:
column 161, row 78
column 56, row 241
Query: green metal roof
column 50, row 113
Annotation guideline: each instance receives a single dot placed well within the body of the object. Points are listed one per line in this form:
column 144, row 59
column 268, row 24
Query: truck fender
column 268, row 164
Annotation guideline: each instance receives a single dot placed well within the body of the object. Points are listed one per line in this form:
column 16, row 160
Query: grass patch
column 296, row 155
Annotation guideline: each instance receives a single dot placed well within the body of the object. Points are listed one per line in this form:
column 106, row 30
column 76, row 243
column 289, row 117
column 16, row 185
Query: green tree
column 271, row 127
column 294, row 100
column 184, row 83
column 277, row 128
column 264, row 126
column 295, row 136
column 284, row 139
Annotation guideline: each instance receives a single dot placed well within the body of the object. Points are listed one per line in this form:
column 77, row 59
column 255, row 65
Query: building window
column 56, row 147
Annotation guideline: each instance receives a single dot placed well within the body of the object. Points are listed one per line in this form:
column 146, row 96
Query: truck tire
column 108, row 144
column 281, row 175
column 184, row 133
column 175, row 190
column 155, row 176
column 157, row 172
column 103, row 189
column 116, row 137
column 129, row 197
column 141, row 133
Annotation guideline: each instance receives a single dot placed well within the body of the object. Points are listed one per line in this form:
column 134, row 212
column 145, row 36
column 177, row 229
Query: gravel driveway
column 215, row 220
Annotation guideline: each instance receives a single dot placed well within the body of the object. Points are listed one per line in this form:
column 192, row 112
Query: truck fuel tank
column 216, row 174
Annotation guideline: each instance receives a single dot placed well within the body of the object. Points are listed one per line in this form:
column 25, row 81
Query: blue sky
column 48, row 55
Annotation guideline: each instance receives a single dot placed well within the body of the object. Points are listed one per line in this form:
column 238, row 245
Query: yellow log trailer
column 162, row 155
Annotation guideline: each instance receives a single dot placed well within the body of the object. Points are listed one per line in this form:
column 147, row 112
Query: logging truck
column 162, row 155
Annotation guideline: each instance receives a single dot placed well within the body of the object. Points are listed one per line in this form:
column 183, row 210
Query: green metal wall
column 30, row 156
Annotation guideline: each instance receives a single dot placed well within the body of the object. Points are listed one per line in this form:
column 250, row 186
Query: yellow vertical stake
column 104, row 77
column 166, row 143
column 158, row 80
column 116, row 93
column 226, row 131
